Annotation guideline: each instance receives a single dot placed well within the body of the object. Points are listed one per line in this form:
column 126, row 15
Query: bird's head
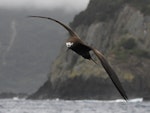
column 69, row 44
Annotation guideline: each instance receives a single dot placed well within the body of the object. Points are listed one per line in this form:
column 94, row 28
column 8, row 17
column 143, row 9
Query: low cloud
column 68, row 5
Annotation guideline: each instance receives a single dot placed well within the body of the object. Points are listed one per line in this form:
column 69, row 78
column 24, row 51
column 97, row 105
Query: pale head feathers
column 69, row 44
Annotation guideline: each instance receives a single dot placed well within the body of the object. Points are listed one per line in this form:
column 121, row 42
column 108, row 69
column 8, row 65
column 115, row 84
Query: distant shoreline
column 8, row 95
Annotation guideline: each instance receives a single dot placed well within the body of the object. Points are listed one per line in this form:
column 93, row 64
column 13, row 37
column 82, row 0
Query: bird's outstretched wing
column 111, row 73
column 71, row 32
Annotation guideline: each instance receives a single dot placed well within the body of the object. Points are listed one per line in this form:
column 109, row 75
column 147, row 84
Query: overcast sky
column 69, row 5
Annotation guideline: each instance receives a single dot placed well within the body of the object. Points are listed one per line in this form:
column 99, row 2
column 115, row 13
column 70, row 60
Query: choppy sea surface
column 16, row 105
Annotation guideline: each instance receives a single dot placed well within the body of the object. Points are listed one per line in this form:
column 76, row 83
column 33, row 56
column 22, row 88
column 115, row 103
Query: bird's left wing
column 71, row 32
column 111, row 73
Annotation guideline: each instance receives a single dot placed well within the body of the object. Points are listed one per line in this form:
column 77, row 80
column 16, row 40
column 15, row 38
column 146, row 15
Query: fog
column 67, row 5
column 29, row 46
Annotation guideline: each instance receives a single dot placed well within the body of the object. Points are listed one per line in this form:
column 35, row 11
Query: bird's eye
column 69, row 44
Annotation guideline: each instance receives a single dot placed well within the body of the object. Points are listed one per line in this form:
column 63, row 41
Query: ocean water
column 77, row 106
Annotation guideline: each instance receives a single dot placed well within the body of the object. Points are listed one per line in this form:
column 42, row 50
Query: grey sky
column 69, row 5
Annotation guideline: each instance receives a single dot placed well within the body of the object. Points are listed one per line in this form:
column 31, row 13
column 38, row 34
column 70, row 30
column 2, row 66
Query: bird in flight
column 77, row 45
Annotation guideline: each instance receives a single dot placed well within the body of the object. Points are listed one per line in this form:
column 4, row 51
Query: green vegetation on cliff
column 127, row 47
column 103, row 10
column 142, row 5
column 98, row 10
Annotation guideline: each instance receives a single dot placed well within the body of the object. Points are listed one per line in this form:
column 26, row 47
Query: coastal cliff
column 120, row 30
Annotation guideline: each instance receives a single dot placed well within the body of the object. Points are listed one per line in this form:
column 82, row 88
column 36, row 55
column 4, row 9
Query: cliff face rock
column 124, row 39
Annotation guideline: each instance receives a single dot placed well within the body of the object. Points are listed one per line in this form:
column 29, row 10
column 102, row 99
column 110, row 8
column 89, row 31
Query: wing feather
column 111, row 73
column 71, row 32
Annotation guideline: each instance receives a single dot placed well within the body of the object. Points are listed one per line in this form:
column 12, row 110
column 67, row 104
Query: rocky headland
column 120, row 29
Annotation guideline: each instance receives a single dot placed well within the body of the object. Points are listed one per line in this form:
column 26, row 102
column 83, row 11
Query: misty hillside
column 105, row 10
column 28, row 47
column 120, row 29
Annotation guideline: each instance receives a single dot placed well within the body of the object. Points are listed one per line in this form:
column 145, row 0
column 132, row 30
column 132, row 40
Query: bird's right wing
column 71, row 32
column 111, row 73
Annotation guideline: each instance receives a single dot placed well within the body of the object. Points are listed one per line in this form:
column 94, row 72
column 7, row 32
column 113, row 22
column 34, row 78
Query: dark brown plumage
column 76, row 44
